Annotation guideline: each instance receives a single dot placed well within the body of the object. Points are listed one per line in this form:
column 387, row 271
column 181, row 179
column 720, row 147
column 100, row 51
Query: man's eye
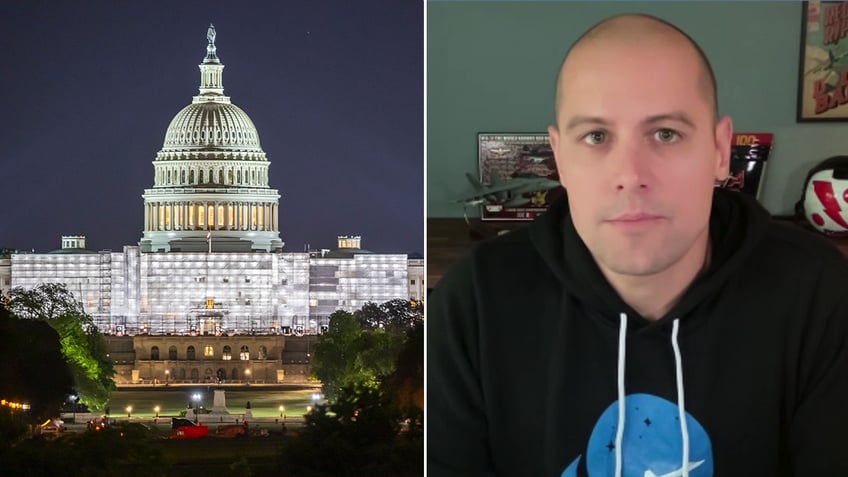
column 666, row 135
column 595, row 137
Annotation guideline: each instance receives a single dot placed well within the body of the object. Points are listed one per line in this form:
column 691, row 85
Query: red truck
column 185, row 429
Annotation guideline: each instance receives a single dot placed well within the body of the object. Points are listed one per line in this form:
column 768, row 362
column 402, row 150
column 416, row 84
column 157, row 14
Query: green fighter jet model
column 509, row 193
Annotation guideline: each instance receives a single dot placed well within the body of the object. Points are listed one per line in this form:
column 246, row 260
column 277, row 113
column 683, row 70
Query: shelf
column 448, row 239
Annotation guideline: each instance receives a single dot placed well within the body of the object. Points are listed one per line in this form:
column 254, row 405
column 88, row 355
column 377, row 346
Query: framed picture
column 518, row 175
column 749, row 153
column 823, row 70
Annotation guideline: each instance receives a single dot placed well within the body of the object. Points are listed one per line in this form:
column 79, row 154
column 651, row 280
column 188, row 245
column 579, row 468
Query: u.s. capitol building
column 210, row 260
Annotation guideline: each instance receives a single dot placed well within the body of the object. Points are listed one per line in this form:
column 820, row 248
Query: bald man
column 648, row 324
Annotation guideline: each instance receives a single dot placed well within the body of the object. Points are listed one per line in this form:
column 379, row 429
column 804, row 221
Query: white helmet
column 825, row 200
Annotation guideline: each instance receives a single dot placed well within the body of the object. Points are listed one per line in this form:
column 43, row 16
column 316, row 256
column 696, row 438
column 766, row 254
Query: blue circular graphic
column 652, row 444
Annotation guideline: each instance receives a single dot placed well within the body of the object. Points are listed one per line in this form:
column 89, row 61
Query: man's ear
column 723, row 137
column 553, row 137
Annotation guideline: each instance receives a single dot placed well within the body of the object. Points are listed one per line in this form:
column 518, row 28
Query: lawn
column 264, row 401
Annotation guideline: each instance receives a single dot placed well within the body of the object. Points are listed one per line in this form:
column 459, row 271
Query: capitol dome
column 211, row 124
column 210, row 187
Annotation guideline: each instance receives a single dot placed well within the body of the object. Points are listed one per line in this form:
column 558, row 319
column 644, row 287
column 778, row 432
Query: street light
column 167, row 376
column 129, row 412
column 247, row 373
column 156, row 410
column 282, row 410
column 308, row 409
column 196, row 398
column 75, row 400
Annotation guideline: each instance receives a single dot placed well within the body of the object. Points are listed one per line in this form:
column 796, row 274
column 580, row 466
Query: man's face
column 638, row 150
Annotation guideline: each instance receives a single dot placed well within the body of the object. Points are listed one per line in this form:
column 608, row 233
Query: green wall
column 491, row 67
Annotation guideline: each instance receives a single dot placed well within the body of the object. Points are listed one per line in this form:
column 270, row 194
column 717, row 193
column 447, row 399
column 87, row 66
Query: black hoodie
column 527, row 343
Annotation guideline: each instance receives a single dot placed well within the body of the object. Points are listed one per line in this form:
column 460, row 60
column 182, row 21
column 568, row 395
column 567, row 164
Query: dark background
column 335, row 89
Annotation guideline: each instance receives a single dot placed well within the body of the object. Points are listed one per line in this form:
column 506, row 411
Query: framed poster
column 518, row 175
column 749, row 153
column 823, row 70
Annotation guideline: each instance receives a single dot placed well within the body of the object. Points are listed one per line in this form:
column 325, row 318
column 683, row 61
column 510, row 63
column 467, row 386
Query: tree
column 404, row 387
column 371, row 316
column 396, row 315
column 356, row 435
column 81, row 343
column 360, row 348
column 337, row 361
column 34, row 372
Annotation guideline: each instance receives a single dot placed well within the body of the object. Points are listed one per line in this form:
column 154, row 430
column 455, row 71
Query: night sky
column 334, row 87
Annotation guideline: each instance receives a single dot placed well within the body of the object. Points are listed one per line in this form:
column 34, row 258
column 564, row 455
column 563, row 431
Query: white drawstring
column 681, row 404
column 622, row 358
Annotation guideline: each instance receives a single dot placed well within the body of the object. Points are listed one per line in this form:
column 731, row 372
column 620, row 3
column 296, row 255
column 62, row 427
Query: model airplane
column 506, row 193
column 828, row 63
column 500, row 151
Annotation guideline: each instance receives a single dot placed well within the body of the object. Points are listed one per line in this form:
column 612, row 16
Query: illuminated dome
column 210, row 188
column 211, row 124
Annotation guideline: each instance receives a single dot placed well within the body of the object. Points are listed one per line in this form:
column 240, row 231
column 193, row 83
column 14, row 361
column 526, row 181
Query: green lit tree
column 337, row 361
column 81, row 343
column 361, row 348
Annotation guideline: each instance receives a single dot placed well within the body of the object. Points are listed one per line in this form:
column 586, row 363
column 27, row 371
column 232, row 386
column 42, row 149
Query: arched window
column 227, row 354
column 208, row 351
column 190, row 353
column 182, row 176
column 154, row 353
column 263, row 352
column 182, row 374
column 230, row 177
column 245, row 353
column 172, row 353
column 191, row 176
column 195, row 375
column 220, row 176
column 238, row 176
column 235, row 374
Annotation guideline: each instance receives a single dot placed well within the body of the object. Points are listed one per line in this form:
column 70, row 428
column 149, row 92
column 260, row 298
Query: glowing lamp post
column 167, row 376
column 282, row 410
column 196, row 398
column 129, row 412
column 156, row 410
column 247, row 373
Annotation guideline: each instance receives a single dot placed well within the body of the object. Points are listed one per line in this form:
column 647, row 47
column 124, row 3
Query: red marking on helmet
column 824, row 191
column 818, row 219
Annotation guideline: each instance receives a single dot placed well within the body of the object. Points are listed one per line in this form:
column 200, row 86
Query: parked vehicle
column 186, row 429
column 232, row 430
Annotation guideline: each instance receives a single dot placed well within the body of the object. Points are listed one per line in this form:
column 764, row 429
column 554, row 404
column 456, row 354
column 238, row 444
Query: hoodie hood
column 737, row 224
